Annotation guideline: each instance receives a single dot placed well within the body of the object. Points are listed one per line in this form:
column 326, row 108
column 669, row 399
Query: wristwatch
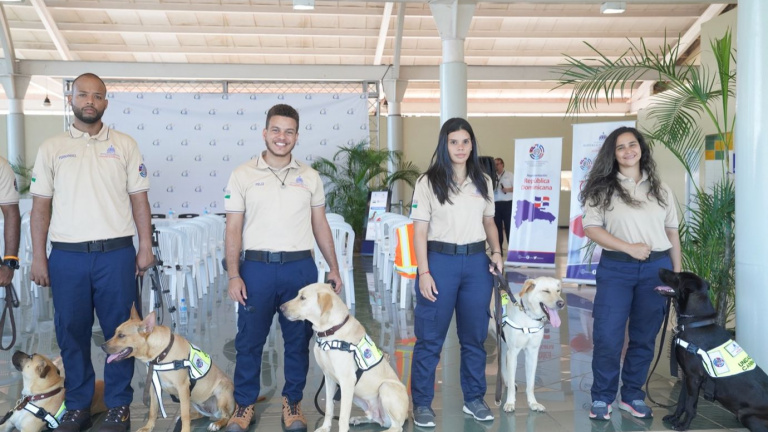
column 12, row 263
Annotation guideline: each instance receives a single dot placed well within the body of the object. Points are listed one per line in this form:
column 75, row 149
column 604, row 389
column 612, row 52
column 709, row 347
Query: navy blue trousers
column 625, row 292
column 268, row 286
column 463, row 284
column 81, row 283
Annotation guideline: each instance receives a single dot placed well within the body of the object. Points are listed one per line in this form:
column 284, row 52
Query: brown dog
column 43, row 392
column 148, row 342
column 378, row 392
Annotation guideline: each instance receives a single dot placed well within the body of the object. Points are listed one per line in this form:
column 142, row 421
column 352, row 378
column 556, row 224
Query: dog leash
column 500, row 284
column 658, row 356
column 11, row 301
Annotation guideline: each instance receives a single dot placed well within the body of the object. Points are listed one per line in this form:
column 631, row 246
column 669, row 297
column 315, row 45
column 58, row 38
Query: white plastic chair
column 343, row 242
column 195, row 254
column 334, row 217
column 174, row 247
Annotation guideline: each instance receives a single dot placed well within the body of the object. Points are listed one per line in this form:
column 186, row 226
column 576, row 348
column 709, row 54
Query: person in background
column 9, row 204
column 631, row 214
column 89, row 188
column 503, row 198
column 275, row 211
column 453, row 213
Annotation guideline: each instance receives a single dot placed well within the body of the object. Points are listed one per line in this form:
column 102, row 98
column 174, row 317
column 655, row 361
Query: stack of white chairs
column 219, row 226
column 174, row 248
column 394, row 279
column 385, row 244
column 343, row 241
column 195, row 254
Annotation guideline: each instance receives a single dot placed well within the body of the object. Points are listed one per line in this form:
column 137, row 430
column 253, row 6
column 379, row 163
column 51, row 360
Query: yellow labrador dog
column 342, row 349
column 43, row 395
column 525, row 315
column 210, row 395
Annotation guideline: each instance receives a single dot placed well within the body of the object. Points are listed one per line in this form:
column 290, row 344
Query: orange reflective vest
column 405, row 255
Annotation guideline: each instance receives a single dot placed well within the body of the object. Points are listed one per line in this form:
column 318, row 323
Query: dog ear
column 134, row 313
column 527, row 286
column 325, row 301
column 44, row 372
column 149, row 323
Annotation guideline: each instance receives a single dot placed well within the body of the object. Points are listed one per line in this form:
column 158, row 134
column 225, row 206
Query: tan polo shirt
column 9, row 190
column 277, row 218
column 460, row 222
column 90, row 179
column 643, row 224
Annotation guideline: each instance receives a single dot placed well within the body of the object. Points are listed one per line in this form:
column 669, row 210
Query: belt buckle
column 275, row 257
column 462, row 249
column 96, row 246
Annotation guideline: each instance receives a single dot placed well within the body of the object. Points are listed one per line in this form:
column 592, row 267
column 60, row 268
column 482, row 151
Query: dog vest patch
column 199, row 362
column 726, row 360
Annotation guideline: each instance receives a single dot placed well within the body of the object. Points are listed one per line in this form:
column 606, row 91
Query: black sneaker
column 118, row 420
column 74, row 421
column 423, row 416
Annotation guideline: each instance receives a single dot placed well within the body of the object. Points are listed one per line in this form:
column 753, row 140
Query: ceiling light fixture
column 303, row 4
column 47, row 101
column 613, row 7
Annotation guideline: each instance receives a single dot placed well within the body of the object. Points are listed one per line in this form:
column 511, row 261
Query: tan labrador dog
column 379, row 391
column 143, row 339
column 538, row 303
column 43, row 388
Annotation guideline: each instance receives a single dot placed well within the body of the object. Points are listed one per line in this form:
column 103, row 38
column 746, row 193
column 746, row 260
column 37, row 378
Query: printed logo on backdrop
column 536, row 152
column 585, row 164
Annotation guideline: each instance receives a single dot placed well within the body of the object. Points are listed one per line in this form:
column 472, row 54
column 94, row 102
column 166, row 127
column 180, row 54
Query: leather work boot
column 118, row 420
column 241, row 419
column 75, row 421
column 293, row 418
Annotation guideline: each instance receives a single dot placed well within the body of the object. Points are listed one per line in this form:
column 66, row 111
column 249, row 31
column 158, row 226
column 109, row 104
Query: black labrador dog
column 703, row 349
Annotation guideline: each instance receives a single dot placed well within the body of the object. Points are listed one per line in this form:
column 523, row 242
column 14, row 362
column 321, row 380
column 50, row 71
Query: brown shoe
column 118, row 420
column 241, row 419
column 293, row 418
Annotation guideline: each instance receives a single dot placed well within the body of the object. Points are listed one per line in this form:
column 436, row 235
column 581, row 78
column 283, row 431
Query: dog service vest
column 725, row 360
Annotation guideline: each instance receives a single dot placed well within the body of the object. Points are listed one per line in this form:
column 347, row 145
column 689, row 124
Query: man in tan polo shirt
column 9, row 204
column 89, row 186
column 275, row 204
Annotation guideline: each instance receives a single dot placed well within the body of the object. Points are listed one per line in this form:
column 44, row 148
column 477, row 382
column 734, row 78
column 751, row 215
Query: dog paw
column 509, row 407
column 354, row 421
column 213, row 427
column 537, row 407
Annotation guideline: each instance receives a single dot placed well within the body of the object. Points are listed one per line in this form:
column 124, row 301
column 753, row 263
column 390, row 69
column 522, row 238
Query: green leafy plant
column 690, row 97
column 356, row 170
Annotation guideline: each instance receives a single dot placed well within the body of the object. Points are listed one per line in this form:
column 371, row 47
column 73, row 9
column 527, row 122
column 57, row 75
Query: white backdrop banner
column 191, row 142
column 535, row 202
column 587, row 140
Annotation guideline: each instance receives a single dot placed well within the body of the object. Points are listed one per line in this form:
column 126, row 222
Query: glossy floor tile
column 563, row 378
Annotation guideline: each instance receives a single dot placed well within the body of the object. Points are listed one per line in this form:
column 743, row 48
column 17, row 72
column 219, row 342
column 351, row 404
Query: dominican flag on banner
column 540, row 202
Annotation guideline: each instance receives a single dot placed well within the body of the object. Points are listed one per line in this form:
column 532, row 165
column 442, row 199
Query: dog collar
column 697, row 324
column 33, row 398
column 26, row 403
column 332, row 330
column 164, row 353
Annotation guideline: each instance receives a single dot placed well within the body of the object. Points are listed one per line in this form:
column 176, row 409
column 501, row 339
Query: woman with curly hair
column 632, row 215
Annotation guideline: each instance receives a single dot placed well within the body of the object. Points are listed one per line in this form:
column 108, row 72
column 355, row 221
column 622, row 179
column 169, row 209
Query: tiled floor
column 563, row 377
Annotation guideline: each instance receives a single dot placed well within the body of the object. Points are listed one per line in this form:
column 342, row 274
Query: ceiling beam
column 370, row 10
column 386, row 17
column 53, row 31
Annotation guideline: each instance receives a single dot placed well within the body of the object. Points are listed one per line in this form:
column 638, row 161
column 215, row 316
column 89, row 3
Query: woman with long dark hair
column 631, row 214
column 453, row 212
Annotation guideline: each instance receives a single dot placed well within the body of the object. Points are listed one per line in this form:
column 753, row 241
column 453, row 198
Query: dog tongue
column 554, row 318
column 112, row 357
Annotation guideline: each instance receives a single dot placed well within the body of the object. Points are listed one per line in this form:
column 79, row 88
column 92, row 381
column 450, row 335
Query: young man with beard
column 275, row 205
column 89, row 187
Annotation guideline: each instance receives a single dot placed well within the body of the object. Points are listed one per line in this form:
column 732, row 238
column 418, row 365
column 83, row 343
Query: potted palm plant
column 690, row 97
column 356, row 170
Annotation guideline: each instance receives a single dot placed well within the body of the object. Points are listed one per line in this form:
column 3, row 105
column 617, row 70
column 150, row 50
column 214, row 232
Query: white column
column 751, row 177
column 394, row 89
column 452, row 20
column 15, row 133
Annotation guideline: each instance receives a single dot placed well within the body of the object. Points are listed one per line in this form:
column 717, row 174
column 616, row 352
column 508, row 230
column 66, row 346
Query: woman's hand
column 497, row 262
column 427, row 287
column 639, row 251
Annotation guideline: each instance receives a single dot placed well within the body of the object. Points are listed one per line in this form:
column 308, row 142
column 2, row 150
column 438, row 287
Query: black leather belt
column 623, row 257
column 276, row 257
column 455, row 249
column 95, row 245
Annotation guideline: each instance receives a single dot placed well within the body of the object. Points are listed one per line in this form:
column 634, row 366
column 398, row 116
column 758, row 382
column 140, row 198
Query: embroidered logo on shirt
column 143, row 170
column 68, row 155
column 110, row 153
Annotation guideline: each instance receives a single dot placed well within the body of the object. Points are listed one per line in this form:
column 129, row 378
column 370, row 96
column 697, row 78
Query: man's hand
column 38, row 272
column 336, row 278
column 236, row 290
column 144, row 260
column 6, row 275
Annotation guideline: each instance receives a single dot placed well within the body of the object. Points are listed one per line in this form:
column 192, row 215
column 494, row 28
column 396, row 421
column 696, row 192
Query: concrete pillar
column 394, row 89
column 453, row 21
column 751, row 177
column 15, row 87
